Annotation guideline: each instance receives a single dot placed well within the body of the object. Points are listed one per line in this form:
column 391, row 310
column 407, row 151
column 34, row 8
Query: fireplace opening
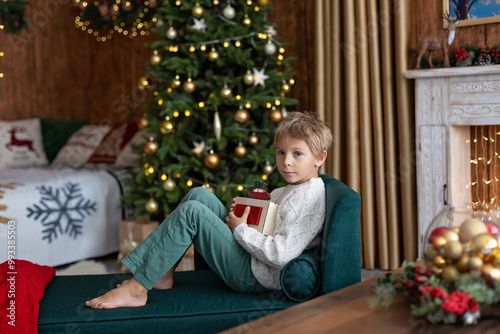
column 484, row 185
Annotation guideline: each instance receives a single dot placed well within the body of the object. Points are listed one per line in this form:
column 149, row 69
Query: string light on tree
column 214, row 69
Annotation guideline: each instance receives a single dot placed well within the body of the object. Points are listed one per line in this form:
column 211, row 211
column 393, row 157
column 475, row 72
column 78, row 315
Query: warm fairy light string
column 137, row 25
column 489, row 164
column 1, row 53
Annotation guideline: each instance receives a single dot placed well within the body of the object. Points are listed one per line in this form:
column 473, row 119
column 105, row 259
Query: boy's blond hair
column 306, row 126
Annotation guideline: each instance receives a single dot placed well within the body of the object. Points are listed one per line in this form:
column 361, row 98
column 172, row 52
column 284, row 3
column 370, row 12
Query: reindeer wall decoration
column 437, row 43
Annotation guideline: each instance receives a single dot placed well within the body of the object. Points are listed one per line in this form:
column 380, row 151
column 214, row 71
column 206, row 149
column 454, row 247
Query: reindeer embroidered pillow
column 21, row 144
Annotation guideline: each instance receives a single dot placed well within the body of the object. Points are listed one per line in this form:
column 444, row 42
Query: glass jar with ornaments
column 463, row 238
column 458, row 281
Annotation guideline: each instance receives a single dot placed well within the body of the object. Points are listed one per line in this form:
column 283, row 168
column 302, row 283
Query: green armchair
column 200, row 302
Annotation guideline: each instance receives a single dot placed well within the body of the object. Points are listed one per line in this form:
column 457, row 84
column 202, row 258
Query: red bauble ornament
column 492, row 228
column 436, row 233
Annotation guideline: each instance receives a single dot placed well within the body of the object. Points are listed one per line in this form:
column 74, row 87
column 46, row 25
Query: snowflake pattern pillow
column 80, row 146
column 21, row 144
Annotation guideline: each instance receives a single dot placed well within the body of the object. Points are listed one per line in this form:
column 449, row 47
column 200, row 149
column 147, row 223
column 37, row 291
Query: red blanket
column 21, row 289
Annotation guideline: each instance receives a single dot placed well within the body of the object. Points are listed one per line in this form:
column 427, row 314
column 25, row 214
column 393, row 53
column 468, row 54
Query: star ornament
column 198, row 147
column 259, row 77
column 270, row 31
column 199, row 24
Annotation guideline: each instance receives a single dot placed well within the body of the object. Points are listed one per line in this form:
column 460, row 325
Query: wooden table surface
column 347, row 311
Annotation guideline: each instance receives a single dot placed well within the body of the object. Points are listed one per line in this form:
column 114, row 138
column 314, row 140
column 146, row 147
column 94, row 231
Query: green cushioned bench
column 200, row 302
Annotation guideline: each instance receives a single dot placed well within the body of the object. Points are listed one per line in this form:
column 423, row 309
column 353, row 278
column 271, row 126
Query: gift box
column 131, row 232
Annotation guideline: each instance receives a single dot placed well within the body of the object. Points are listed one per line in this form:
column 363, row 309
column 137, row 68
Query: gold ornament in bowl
column 463, row 238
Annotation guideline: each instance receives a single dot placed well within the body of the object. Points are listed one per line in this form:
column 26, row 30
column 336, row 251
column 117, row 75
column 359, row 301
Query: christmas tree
column 217, row 83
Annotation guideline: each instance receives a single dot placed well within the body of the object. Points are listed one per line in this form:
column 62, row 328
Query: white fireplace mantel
column 447, row 102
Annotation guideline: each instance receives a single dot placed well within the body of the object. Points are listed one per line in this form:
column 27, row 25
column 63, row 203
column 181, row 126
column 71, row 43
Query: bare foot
column 132, row 294
column 167, row 281
column 122, row 283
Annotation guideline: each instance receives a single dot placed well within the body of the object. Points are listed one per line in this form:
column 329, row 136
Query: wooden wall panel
column 53, row 69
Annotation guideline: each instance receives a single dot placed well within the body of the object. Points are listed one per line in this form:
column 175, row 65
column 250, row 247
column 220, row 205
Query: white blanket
column 59, row 215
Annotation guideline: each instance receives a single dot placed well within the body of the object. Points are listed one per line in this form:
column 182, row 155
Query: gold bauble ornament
column 436, row 270
column 439, row 242
column 198, row 11
column 151, row 147
column 450, row 235
column 452, row 250
column 463, row 262
column 267, row 169
column 175, row 83
column 248, row 78
column 242, row 116
column 155, row 59
column 449, row 273
column 263, row 3
column 253, row 139
column 285, row 88
column 226, row 93
column 240, row 150
column 475, row 263
column 491, row 271
column 151, row 206
column 143, row 83
column 275, row 116
column 439, row 261
column 189, row 86
column 470, row 228
column 212, row 160
column 213, row 55
column 484, row 243
column 169, row 184
column 171, row 33
column 430, row 252
column 247, row 22
column 142, row 123
column 166, row 127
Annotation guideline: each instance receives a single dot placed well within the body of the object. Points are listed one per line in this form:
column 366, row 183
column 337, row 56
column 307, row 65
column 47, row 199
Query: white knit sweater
column 299, row 221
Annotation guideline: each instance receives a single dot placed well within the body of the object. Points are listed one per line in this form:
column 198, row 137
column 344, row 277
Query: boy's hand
column 233, row 205
column 232, row 221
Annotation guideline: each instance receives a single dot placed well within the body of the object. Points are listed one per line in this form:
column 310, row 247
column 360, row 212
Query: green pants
column 198, row 220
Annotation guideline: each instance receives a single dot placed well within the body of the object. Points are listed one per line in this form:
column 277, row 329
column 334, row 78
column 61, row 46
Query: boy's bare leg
column 132, row 294
column 166, row 282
